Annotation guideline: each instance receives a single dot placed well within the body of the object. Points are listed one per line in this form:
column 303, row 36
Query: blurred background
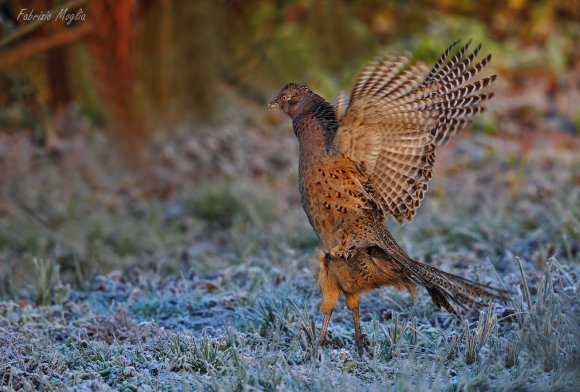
column 134, row 135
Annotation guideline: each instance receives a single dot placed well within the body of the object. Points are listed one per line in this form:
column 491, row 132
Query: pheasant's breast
column 334, row 198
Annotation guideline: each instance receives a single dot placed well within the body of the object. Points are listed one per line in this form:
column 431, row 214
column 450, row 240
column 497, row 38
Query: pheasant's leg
column 324, row 328
column 330, row 293
column 352, row 303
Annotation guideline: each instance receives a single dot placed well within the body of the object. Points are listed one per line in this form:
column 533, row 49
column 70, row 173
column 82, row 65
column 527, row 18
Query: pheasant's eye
column 285, row 97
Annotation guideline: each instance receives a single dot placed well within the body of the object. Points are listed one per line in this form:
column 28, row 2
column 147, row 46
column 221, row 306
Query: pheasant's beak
column 273, row 105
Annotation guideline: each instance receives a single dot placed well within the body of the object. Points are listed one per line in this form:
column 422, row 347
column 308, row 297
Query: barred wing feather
column 398, row 113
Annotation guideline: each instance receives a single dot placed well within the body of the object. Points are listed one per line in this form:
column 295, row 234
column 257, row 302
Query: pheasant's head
column 294, row 99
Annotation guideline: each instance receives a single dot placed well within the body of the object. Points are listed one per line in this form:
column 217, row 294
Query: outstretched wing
column 400, row 112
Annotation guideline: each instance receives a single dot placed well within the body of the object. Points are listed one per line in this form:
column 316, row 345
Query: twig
column 525, row 284
column 42, row 44
column 498, row 279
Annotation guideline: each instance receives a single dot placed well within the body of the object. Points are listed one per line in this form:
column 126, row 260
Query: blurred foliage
column 185, row 56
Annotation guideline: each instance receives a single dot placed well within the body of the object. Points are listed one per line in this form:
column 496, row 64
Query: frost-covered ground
column 214, row 288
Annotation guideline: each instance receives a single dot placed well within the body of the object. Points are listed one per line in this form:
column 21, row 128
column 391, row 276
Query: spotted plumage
column 371, row 156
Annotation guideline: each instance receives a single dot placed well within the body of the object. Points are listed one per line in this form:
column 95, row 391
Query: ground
column 214, row 288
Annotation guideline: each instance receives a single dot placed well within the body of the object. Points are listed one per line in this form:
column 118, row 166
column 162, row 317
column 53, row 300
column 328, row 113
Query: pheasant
column 370, row 157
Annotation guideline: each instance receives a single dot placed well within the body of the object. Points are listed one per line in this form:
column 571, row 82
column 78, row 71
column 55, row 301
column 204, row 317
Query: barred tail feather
column 446, row 288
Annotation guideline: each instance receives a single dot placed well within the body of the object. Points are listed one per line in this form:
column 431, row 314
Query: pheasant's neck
column 311, row 139
column 316, row 131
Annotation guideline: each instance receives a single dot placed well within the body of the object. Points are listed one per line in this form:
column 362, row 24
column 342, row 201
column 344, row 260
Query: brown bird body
column 371, row 157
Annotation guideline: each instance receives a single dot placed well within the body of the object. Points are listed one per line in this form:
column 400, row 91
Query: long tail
column 444, row 288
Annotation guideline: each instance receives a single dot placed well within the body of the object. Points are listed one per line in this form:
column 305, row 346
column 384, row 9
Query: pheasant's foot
column 362, row 346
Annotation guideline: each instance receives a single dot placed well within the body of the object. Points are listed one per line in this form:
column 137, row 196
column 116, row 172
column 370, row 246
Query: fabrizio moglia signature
column 30, row 15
